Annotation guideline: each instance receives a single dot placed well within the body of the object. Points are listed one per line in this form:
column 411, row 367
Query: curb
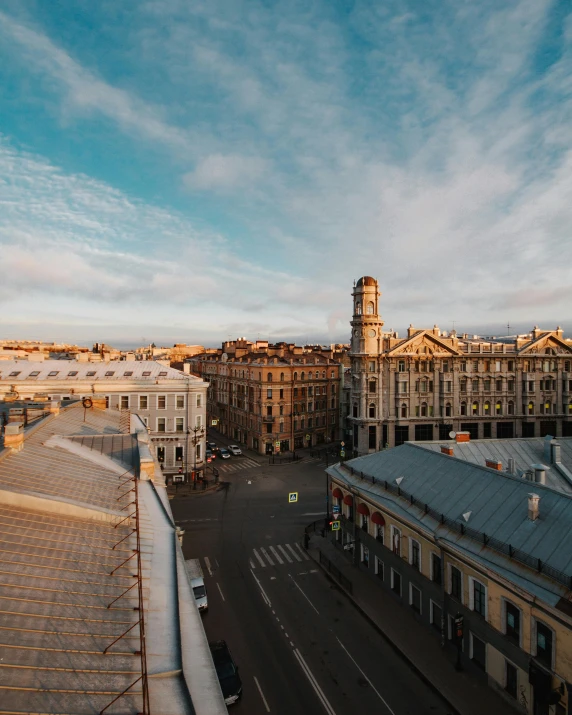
column 388, row 640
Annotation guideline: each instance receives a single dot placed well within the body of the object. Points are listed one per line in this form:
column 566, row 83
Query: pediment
column 547, row 344
column 423, row 344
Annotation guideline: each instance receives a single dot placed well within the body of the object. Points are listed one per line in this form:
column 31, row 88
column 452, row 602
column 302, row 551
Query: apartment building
column 430, row 383
column 272, row 398
column 477, row 554
column 171, row 404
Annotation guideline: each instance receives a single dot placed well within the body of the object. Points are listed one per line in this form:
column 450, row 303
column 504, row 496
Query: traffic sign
column 277, row 443
column 342, row 453
column 214, row 423
column 335, row 525
column 209, row 460
column 459, row 623
column 336, row 508
column 307, row 437
column 293, row 497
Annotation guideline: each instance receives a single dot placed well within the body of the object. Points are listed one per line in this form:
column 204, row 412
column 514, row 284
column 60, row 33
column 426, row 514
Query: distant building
column 273, row 398
column 171, row 404
column 450, row 533
column 430, row 383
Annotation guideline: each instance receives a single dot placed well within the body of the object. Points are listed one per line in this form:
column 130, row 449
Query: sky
column 176, row 171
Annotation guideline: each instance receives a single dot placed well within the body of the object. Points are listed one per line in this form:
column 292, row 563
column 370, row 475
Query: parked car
column 223, row 453
column 198, row 583
column 211, row 446
column 210, row 454
column 227, row 671
column 235, row 450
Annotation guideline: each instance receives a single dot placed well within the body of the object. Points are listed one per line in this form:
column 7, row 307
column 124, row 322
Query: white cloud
column 225, row 172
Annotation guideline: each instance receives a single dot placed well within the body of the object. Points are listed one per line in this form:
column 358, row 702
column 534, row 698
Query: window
column 404, row 410
column 378, row 566
column 180, row 402
column 435, row 615
column 369, row 308
column 448, row 409
column 35, row 373
column 282, row 394
column 372, row 385
column 456, row 584
column 512, row 619
column 396, row 540
column 302, row 376
column 415, row 554
column 198, row 421
column 143, row 402
column 17, row 372
column 478, row 597
column 544, row 639
column 53, row 373
column 109, row 373
column 511, row 679
column 90, row 373
column 475, row 408
column 475, row 385
column 199, row 401
column 364, row 555
column 478, row 653
column 498, row 408
column 372, row 410
column 160, row 424
column 487, row 409
column 128, row 373
column 73, row 373
column 510, row 408
column 161, row 402
column 415, row 598
column 435, row 568
column 179, row 424
column 463, row 385
column 463, row 366
column 498, row 385
column 463, row 408
column 401, row 366
column 295, row 392
column 198, row 451
column 161, row 454
column 281, row 377
column 269, row 377
column 281, row 409
column 178, row 454
column 269, row 393
column 530, row 408
column 146, row 373
column 124, row 402
column 396, row 582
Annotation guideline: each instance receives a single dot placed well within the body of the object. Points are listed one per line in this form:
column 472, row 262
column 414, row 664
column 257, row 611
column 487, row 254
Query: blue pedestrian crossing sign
column 293, row 497
column 335, row 525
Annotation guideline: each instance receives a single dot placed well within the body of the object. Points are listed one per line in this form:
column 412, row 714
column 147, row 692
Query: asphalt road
column 301, row 647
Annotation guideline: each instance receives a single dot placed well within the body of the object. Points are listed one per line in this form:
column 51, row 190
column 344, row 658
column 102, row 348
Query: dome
column 367, row 281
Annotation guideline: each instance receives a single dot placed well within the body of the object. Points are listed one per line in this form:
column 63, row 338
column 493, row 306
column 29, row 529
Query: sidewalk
column 466, row 695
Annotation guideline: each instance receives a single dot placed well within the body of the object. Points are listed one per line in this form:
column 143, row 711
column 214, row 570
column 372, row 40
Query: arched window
column 448, row 409
column 303, row 376
column 332, row 374
column 531, row 408
column 487, row 408
column 369, row 308
column 358, row 308
column 310, row 375
column 404, row 410
column 498, row 408
column 281, row 377
column 269, row 377
column 475, row 408
column 423, row 409
column 372, row 410
column 296, row 376
column 323, row 374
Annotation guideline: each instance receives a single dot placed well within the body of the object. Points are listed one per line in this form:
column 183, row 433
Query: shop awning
column 349, row 500
column 337, row 493
column 362, row 509
column 377, row 518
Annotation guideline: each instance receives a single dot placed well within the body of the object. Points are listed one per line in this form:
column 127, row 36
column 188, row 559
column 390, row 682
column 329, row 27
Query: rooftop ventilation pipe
column 533, row 506
column 539, row 473
column 510, row 467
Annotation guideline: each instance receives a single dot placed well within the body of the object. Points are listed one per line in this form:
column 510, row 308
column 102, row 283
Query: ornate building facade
column 430, row 383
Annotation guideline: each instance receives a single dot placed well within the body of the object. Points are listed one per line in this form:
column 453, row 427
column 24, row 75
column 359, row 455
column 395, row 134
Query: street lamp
column 198, row 434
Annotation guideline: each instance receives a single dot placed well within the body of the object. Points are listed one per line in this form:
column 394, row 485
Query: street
column 300, row 644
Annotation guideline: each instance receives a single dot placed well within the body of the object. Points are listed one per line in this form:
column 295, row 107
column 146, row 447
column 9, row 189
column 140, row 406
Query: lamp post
column 198, row 434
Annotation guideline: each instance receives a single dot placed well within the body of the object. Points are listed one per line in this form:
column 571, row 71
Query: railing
column 335, row 571
column 479, row 536
column 268, row 418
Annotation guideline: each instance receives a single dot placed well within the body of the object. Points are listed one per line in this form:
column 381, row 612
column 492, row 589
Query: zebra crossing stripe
column 302, row 552
column 276, row 554
column 267, row 556
column 259, row 559
column 251, row 562
column 285, row 554
column 293, row 552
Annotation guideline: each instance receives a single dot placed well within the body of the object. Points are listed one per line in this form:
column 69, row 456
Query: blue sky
column 175, row 170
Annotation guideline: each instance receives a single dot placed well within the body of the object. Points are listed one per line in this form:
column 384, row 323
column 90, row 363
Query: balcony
column 268, row 419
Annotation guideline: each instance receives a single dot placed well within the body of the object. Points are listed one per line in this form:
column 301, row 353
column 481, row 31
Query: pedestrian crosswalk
column 278, row 555
column 235, row 465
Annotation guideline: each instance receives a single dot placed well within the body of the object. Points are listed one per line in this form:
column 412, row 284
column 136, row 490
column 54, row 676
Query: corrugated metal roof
column 498, row 502
column 524, row 451
column 73, row 371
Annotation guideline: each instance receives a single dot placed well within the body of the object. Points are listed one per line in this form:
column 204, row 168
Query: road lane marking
column 303, row 594
column 276, row 554
column 301, row 550
column 293, row 552
column 261, row 693
column 220, row 591
column 365, row 676
column 262, row 591
column 267, row 556
column 251, row 562
column 313, row 513
column 208, row 563
column 314, row 683
column 261, row 562
column 285, row 554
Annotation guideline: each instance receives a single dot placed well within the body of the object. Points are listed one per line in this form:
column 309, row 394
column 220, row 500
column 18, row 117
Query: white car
column 234, row 450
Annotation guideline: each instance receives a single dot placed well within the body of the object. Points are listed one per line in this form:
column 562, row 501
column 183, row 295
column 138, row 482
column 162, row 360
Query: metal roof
column 73, row 371
column 524, row 451
column 496, row 503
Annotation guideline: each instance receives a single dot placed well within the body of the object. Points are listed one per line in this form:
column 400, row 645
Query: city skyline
column 204, row 172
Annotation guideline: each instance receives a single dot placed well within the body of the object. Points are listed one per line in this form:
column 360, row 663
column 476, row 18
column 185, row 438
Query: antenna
column 508, row 328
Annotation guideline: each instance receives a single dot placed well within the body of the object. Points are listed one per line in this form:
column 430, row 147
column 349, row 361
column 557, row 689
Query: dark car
column 223, row 453
column 211, row 446
column 228, row 677
column 210, row 454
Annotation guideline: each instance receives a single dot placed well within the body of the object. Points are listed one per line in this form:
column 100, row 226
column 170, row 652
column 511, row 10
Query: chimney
column 447, row 450
column 539, row 473
column 462, row 437
column 14, row 436
column 510, row 468
column 493, row 464
column 533, row 503
column 555, row 452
